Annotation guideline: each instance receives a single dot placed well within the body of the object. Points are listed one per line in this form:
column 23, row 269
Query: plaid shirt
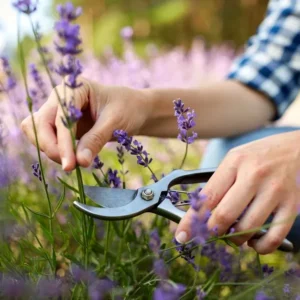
column 271, row 61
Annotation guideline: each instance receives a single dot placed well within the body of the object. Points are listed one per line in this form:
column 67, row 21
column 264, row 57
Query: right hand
column 104, row 108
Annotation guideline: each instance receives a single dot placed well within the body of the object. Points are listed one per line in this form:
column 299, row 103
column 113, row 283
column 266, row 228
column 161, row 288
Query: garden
column 50, row 249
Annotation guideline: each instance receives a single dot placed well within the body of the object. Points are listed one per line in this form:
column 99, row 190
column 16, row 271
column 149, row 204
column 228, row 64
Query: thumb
column 183, row 231
column 93, row 141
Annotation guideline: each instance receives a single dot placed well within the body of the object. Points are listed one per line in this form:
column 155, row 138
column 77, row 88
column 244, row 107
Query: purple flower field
column 49, row 249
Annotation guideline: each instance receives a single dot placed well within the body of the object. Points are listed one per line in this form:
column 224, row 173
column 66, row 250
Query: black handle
column 187, row 177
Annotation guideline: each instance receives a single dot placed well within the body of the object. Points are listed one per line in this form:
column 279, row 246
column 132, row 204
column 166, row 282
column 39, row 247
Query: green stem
column 261, row 273
column 107, row 241
column 184, row 156
column 29, row 102
column 78, row 172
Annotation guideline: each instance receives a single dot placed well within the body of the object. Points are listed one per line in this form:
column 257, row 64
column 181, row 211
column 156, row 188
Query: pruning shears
column 120, row 204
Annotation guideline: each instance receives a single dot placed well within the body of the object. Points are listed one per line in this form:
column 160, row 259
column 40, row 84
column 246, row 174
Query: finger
column 69, row 108
column 93, row 141
column 220, row 182
column 255, row 216
column 184, row 229
column 45, row 132
column 65, row 142
column 232, row 205
column 281, row 225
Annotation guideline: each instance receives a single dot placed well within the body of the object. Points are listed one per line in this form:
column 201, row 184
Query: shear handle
column 168, row 210
column 187, row 177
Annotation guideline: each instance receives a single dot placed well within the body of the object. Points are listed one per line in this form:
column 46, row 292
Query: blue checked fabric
column 271, row 61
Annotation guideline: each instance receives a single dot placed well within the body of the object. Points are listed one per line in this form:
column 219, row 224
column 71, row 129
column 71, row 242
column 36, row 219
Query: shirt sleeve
column 271, row 61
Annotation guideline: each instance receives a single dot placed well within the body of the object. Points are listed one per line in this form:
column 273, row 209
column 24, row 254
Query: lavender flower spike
column 37, row 171
column 11, row 81
column 97, row 164
column 134, row 147
column 185, row 121
column 73, row 114
column 26, row 6
column 68, row 11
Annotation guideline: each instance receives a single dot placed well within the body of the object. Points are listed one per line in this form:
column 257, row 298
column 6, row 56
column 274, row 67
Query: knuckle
column 236, row 156
column 259, row 172
column 96, row 139
column 209, row 197
column 222, row 217
column 277, row 187
column 274, row 242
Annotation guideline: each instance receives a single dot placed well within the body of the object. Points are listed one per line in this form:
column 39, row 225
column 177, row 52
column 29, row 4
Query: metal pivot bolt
column 147, row 194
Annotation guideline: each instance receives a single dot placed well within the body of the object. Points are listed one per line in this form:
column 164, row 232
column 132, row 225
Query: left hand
column 263, row 175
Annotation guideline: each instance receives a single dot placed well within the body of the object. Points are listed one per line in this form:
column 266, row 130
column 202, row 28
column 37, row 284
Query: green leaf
column 60, row 201
column 116, row 224
column 97, row 180
column 90, row 228
column 47, row 233
column 97, row 248
column 67, row 185
column 232, row 245
column 37, row 213
column 127, row 227
column 72, row 258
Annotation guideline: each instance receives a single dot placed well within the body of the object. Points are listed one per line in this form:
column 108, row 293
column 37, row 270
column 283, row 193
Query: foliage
column 50, row 250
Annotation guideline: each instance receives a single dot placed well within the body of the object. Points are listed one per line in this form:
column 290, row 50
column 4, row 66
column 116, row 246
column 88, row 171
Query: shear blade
column 109, row 197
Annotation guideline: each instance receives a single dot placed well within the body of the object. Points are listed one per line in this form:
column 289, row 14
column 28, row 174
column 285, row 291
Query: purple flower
column 35, row 74
column 200, row 294
column 11, row 81
column 199, row 228
column 113, row 178
column 100, row 288
column 186, row 252
column 82, row 275
column 287, row 289
column 167, row 291
column 126, row 32
column 97, row 164
column 69, row 34
column 120, row 153
column 196, row 199
column 179, row 107
column 154, row 242
column 48, row 288
column 11, row 288
column 37, row 171
column 123, row 138
column 262, row 296
column 26, row 6
column 69, row 43
column 185, row 121
column 134, row 147
column 174, row 197
column 68, row 11
column 73, row 114
column 267, row 270
column 160, row 269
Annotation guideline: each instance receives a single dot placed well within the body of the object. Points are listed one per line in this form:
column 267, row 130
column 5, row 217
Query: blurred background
column 165, row 23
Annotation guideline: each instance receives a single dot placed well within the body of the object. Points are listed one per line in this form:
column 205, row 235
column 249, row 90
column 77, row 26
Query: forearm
column 223, row 109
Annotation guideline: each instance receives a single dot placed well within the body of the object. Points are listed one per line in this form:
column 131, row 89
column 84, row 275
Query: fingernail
column 181, row 237
column 64, row 163
column 87, row 155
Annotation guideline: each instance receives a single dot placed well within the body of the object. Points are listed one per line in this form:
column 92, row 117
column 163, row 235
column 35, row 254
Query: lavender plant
column 47, row 249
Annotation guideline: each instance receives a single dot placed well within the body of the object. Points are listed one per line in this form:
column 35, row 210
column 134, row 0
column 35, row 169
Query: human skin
column 261, row 174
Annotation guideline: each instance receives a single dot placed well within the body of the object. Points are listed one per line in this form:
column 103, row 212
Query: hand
column 263, row 175
column 104, row 108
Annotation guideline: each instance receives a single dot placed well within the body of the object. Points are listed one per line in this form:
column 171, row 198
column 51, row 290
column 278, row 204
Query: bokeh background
column 165, row 23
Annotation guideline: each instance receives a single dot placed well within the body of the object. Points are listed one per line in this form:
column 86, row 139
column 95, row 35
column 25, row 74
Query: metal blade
column 109, row 197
